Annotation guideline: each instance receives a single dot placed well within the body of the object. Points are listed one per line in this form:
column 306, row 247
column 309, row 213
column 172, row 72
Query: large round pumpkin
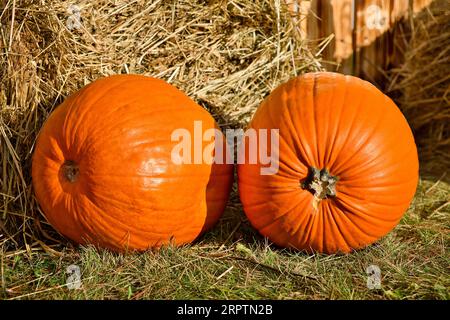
column 348, row 166
column 103, row 171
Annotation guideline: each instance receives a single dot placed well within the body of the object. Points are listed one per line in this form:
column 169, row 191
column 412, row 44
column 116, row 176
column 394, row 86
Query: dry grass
column 227, row 55
column 413, row 260
column 422, row 82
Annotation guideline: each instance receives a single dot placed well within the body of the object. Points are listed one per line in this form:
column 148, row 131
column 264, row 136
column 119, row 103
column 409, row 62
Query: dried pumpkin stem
column 70, row 170
column 321, row 184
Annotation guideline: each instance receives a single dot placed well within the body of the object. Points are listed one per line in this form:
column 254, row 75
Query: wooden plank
column 300, row 11
column 343, row 28
column 372, row 22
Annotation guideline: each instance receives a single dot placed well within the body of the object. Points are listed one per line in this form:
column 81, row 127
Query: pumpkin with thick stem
column 347, row 165
column 103, row 172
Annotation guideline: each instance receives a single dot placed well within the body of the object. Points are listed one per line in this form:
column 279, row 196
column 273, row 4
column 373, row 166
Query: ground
column 233, row 262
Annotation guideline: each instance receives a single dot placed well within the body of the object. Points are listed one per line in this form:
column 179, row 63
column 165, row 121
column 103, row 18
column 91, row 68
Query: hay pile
column 422, row 82
column 227, row 55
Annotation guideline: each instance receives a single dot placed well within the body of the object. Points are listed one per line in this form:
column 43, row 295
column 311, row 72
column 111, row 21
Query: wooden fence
column 363, row 31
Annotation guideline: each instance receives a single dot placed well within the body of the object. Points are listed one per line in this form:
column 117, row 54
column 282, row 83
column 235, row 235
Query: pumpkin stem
column 70, row 170
column 321, row 184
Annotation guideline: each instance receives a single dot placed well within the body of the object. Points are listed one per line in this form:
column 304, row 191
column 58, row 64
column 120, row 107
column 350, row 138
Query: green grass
column 233, row 262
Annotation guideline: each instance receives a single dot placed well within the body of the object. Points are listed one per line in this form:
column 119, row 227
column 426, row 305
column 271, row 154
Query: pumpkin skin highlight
column 102, row 170
column 350, row 135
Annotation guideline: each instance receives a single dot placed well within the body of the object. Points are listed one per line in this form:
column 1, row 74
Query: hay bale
column 421, row 84
column 227, row 55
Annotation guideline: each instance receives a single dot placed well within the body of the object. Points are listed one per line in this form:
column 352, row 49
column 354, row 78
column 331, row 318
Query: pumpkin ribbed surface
column 102, row 170
column 348, row 165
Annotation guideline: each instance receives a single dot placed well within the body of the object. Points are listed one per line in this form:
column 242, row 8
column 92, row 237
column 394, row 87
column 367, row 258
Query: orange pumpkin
column 348, row 165
column 103, row 171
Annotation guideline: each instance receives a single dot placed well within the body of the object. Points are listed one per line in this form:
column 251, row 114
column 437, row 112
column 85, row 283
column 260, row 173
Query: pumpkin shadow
column 434, row 169
column 233, row 226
